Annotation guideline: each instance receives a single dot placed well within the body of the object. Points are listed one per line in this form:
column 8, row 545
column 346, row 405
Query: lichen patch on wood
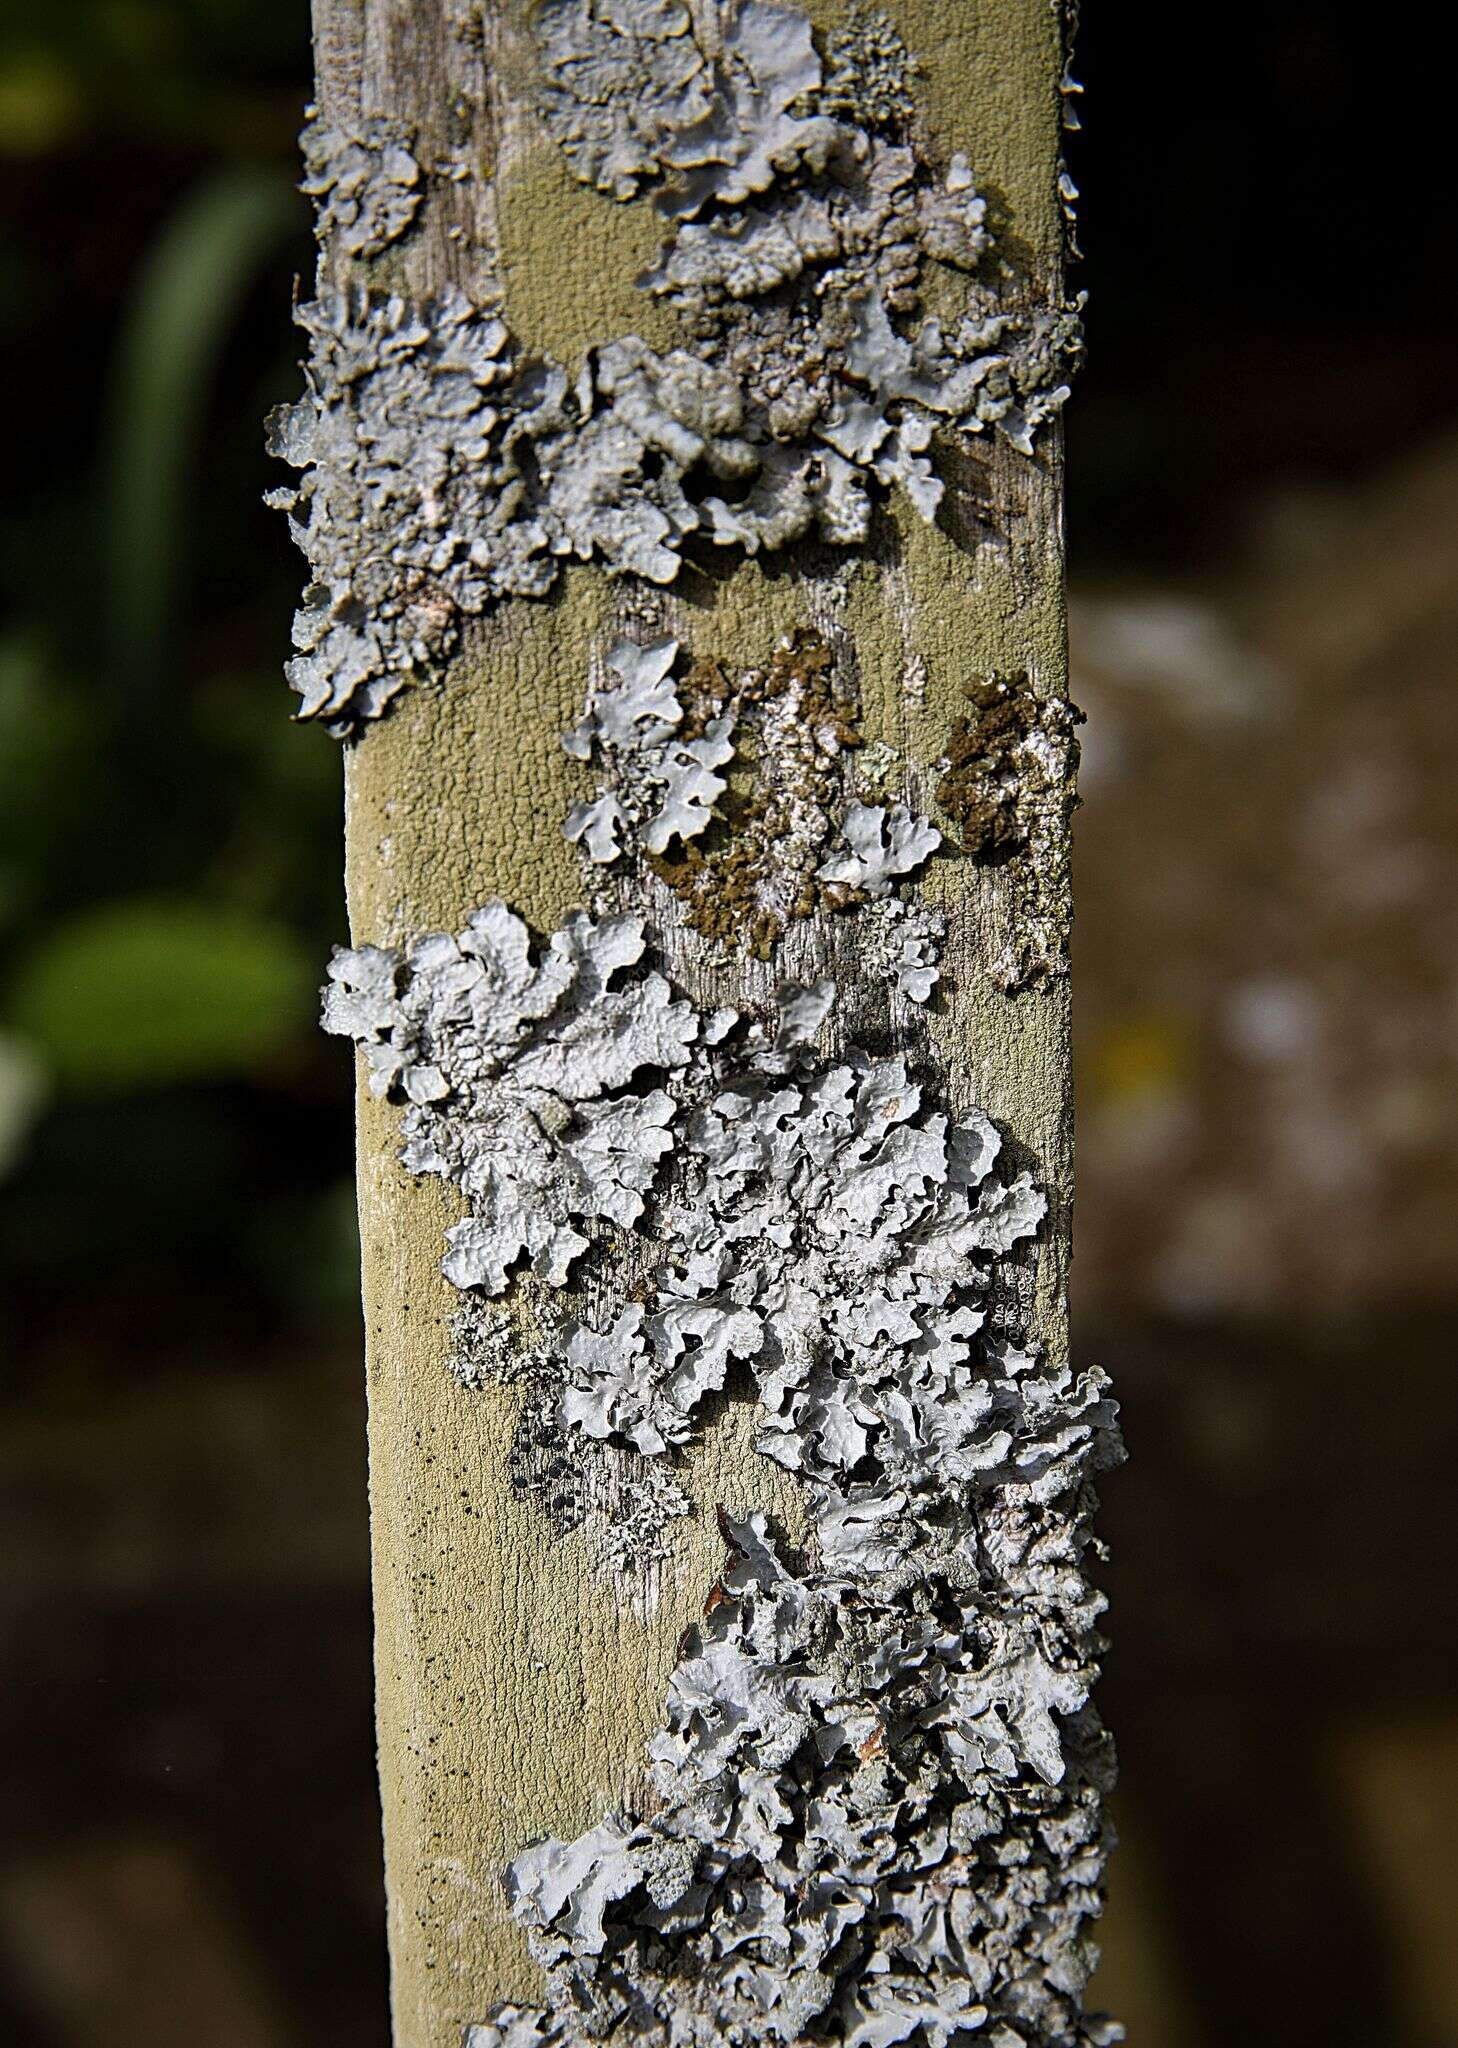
column 721, row 1223
column 757, row 869
column 365, row 183
column 877, row 1792
column 807, row 226
column 1006, row 782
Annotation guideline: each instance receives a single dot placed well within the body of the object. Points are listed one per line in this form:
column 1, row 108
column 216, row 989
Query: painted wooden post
column 685, row 383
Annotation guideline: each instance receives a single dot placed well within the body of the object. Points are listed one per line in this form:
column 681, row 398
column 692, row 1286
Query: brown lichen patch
column 983, row 770
column 754, row 870
column 704, row 693
column 1006, row 784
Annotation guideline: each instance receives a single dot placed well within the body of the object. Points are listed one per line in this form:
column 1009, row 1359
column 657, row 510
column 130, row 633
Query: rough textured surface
column 793, row 726
column 517, row 1072
column 519, row 1688
column 1006, row 782
column 365, row 185
column 663, row 782
column 668, row 779
column 877, row 1810
column 835, row 291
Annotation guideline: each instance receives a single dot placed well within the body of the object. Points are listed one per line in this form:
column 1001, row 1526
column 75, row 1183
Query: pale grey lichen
column 830, row 1231
column 793, row 723
column 877, row 1790
column 516, row 1071
column 441, row 476
column 619, row 82
column 442, row 472
column 622, row 1503
column 662, row 786
column 903, row 945
column 879, row 847
column 880, row 769
column 879, row 1818
column 1069, row 93
column 365, row 183
column 775, row 857
column 876, row 1793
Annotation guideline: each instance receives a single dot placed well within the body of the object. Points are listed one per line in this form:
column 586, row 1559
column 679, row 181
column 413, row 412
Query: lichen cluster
column 901, row 945
column 757, row 870
column 880, row 1815
column 518, row 1073
column 1006, row 782
column 443, row 471
column 663, row 779
column 366, row 185
column 878, row 1785
column 876, row 1807
column 785, row 841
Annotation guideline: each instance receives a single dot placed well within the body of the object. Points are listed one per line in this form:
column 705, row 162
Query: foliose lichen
column 622, row 1503
column 878, row 847
column 440, row 475
column 756, row 870
column 1069, row 92
column 444, row 471
column 1006, row 782
column 365, row 183
column 877, row 1789
column 876, row 1808
column 786, row 841
column 903, row 945
column 516, row 1070
column 663, row 783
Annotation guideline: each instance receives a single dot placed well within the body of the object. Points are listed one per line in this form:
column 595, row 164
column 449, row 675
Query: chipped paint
column 810, row 237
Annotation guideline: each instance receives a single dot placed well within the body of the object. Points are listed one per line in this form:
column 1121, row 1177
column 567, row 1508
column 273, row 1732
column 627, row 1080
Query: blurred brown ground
column 1267, row 994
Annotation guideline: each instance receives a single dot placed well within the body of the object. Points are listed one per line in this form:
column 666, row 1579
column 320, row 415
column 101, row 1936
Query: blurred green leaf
column 22, row 1095
column 154, row 990
column 48, row 770
column 186, row 298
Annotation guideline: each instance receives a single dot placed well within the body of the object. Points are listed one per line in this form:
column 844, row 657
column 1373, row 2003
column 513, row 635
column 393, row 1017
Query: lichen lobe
column 365, row 183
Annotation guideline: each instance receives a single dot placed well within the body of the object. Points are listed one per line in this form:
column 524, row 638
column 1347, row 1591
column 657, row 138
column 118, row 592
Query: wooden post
column 858, row 623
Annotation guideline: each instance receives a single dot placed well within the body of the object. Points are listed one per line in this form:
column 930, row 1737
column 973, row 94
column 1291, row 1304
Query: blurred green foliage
column 173, row 1136
column 147, row 991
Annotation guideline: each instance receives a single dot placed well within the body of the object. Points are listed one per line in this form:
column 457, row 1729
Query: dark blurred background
column 1264, row 522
